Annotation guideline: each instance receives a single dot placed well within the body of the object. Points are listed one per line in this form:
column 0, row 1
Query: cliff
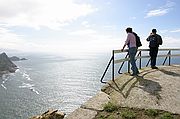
column 155, row 92
column 152, row 94
column 6, row 65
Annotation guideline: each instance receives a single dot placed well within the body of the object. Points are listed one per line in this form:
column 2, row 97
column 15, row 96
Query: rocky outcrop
column 50, row 114
column 15, row 58
column 6, row 65
column 91, row 108
column 23, row 59
column 151, row 89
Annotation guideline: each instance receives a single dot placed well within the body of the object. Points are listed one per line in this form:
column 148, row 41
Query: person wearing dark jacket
column 154, row 41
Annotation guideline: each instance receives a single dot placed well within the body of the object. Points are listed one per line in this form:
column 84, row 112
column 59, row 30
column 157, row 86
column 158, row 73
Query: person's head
column 154, row 31
column 129, row 30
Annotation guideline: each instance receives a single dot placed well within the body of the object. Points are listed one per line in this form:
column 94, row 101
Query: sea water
column 50, row 82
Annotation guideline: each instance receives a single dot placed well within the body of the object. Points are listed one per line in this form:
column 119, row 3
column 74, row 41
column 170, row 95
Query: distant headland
column 6, row 64
column 15, row 58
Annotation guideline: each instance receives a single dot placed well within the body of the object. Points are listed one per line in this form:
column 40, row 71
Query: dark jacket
column 154, row 40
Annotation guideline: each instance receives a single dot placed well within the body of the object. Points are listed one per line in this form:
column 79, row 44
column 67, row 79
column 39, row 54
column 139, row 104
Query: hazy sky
column 70, row 26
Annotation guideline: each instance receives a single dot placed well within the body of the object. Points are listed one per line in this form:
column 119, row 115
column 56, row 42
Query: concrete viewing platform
column 152, row 89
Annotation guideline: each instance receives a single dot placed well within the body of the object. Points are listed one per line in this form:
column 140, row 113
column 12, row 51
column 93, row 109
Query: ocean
column 52, row 82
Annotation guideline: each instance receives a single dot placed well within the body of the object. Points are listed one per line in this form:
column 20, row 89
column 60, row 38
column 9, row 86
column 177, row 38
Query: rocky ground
column 154, row 90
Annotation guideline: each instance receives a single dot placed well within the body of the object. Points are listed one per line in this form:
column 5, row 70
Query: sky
column 73, row 26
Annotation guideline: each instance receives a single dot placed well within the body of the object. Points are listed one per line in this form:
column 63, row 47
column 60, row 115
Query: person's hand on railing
column 123, row 48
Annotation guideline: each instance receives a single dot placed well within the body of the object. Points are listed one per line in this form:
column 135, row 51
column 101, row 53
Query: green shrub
column 151, row 112
column 101, row 117
column 128, row 115
column 110, row 107
column 166, row 116
column 111, row 117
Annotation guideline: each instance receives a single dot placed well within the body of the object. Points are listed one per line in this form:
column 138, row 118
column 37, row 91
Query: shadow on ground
column 146, row 85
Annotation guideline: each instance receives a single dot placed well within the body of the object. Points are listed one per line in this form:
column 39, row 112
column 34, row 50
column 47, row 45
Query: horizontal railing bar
column 167, row 49
column 168, row 55
column 127, row 59
column 126, row 50
column 119, row 51
column 121, row 60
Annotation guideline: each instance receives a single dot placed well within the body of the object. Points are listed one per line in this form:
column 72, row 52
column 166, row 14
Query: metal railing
column 139, row 56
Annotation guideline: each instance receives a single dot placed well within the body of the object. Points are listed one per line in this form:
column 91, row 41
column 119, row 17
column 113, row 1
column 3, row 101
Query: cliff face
column 6, row 64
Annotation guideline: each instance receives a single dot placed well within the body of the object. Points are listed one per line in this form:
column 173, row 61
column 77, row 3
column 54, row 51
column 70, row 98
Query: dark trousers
column 153, row 54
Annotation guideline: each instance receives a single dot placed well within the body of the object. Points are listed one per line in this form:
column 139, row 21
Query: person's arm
column 148, row 39
column 126, row 42
column 123, row 47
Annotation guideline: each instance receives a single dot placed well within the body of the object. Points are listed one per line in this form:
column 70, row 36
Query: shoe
column 154, row 67
column 133, row 74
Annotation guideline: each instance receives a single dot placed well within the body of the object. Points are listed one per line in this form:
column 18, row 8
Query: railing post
column 106, row 70
column 169, row 57
column 148, row 62
column 119, row 71
column 128, row 65
column 140, row 60
column 113, row 65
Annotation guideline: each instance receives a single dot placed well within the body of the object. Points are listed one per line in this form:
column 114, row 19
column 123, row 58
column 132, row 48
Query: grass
column 151, row 112
column 112, row 111
column 167, row 115
column 110, row 107
column 128, row 114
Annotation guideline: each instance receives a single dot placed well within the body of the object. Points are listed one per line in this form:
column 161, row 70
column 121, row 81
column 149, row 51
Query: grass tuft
column 151, row 112
column 128, row 115
column 166, row 115
column 110, row 107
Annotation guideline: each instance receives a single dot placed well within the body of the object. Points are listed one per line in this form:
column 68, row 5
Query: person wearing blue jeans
column 131, row 43
column 132, row 54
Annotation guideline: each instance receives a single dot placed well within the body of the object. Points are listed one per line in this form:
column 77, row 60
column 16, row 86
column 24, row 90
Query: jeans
column 153, row 54
column 132, row 54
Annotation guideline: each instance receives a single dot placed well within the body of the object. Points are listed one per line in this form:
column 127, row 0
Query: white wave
column 4, row 86
column 29, row 69
column 4, row 78
column 25, row 75
column 17, row 70
column 29, row 86
column 26, row 85
column 33, row 89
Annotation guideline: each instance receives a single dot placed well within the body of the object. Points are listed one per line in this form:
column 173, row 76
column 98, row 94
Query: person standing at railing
column 154, row 41
column 131, row 43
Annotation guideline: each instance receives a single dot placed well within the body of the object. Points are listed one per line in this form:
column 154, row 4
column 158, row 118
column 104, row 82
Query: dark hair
column 129, row 30
column 154, row 30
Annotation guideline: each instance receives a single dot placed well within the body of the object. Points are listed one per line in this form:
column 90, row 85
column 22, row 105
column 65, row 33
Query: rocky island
column 6, row 65
column 15, row 58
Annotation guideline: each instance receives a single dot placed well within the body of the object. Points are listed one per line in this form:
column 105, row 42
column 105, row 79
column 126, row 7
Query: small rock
column 50, row 114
